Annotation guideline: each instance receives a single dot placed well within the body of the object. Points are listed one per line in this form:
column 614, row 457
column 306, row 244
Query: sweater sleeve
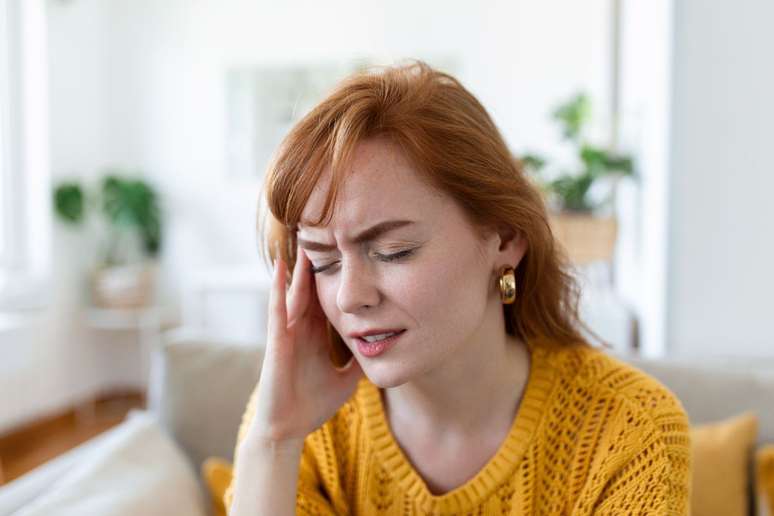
column 654, row 476
column 309, row 497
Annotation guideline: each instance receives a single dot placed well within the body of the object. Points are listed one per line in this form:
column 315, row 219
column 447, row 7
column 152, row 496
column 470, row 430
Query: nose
column 357, row 287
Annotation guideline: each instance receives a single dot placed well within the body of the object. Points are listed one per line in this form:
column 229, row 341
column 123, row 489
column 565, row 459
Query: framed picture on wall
column 264, row 102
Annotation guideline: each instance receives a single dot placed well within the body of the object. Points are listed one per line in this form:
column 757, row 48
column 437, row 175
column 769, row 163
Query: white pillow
column 138, row 470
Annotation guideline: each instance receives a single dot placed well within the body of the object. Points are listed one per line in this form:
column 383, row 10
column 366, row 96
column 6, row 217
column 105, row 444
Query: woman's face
column 428, row 274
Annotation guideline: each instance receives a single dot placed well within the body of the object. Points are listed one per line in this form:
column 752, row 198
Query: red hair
column 453, row 143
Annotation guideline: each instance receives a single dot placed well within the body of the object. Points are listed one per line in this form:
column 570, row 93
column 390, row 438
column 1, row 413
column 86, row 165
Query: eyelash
column 385, row 258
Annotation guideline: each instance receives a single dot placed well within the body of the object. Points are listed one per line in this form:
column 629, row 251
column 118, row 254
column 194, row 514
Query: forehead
column 380, row 184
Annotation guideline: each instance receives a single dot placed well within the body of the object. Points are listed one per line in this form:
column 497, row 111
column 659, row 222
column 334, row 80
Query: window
column 7, row 91
column 24, row 184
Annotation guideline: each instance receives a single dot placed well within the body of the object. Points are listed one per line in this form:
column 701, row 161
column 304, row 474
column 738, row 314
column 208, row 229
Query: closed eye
column 322, row 268
column 381, row 257
column 395, row 256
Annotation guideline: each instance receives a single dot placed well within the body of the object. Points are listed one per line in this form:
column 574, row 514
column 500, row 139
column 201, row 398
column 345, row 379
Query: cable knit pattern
column 592, row 435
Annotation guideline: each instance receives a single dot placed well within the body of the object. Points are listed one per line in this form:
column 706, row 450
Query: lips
column 373, row 349
column 380, row 336
column 374, row 331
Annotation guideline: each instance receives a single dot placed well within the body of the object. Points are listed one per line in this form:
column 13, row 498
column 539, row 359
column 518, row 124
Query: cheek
column 326, row 296
column 458, row 288
column 441, row 295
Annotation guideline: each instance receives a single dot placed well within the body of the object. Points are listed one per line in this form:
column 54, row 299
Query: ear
column 512, row 247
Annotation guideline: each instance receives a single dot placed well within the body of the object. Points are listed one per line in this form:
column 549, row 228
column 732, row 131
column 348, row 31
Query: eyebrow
column 368, row 235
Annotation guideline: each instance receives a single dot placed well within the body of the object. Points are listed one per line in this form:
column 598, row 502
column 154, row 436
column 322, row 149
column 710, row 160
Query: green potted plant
column 130, row 218
column 574, row 195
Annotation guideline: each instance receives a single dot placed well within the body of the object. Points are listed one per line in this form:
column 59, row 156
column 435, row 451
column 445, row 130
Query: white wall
column 168, row 60
column 167, row 89
column 141, row 84
column 720, row 246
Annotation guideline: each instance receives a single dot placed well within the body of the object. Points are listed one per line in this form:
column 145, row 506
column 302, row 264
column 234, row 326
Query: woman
column 420, row 250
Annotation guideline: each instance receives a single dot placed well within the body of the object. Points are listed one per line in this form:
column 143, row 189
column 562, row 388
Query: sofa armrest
column 200, row 390
column 133, row 469
column 21, row 491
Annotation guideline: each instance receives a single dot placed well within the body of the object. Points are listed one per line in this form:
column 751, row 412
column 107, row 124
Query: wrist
column 265, row 445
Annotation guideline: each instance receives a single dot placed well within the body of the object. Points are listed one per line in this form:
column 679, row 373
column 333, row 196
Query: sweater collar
column 495, row 472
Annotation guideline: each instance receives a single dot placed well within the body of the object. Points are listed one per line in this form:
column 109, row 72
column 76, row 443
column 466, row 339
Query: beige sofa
column 198, row 392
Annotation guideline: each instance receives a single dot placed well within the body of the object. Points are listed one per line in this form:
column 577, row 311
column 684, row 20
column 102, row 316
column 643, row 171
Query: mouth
column 374, row 345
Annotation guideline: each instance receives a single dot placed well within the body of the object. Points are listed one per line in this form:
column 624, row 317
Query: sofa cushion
column 711, row 391
column 217, row 475
column 136, row 469
column 203, row 391
column 721, row 454
column 764, row 472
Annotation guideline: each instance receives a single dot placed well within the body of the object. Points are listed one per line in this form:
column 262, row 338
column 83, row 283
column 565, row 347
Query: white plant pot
column 123, row 287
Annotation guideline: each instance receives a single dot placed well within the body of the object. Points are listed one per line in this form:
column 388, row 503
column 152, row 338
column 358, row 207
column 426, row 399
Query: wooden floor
column 27, row 447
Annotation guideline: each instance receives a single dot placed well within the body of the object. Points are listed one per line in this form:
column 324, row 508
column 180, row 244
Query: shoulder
column 636, row 415
column 595, row 373
column 636, row 427
column 632, row 411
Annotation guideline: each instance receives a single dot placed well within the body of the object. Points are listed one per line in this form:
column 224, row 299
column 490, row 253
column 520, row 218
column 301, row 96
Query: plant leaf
column 573, row 115
column 69, row 202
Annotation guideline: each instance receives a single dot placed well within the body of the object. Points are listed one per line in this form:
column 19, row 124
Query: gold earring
column 507, row 285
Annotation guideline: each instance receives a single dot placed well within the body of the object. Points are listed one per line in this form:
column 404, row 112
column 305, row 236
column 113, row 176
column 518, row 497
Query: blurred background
column 134, row 136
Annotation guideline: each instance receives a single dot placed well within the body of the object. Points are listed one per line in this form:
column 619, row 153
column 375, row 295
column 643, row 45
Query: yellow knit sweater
column 592, row 435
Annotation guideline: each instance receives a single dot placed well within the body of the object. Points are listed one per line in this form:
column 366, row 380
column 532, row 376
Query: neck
column 478, row 386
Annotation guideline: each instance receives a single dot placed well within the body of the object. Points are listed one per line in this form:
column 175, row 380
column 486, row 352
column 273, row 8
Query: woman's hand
column 299, row 388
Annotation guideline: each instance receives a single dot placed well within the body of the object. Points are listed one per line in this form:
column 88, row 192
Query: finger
column 277, row 324
column 298, row 297
column 315, row 308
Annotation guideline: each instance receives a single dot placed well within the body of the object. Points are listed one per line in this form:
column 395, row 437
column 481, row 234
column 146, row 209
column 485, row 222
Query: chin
column 386, row 376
